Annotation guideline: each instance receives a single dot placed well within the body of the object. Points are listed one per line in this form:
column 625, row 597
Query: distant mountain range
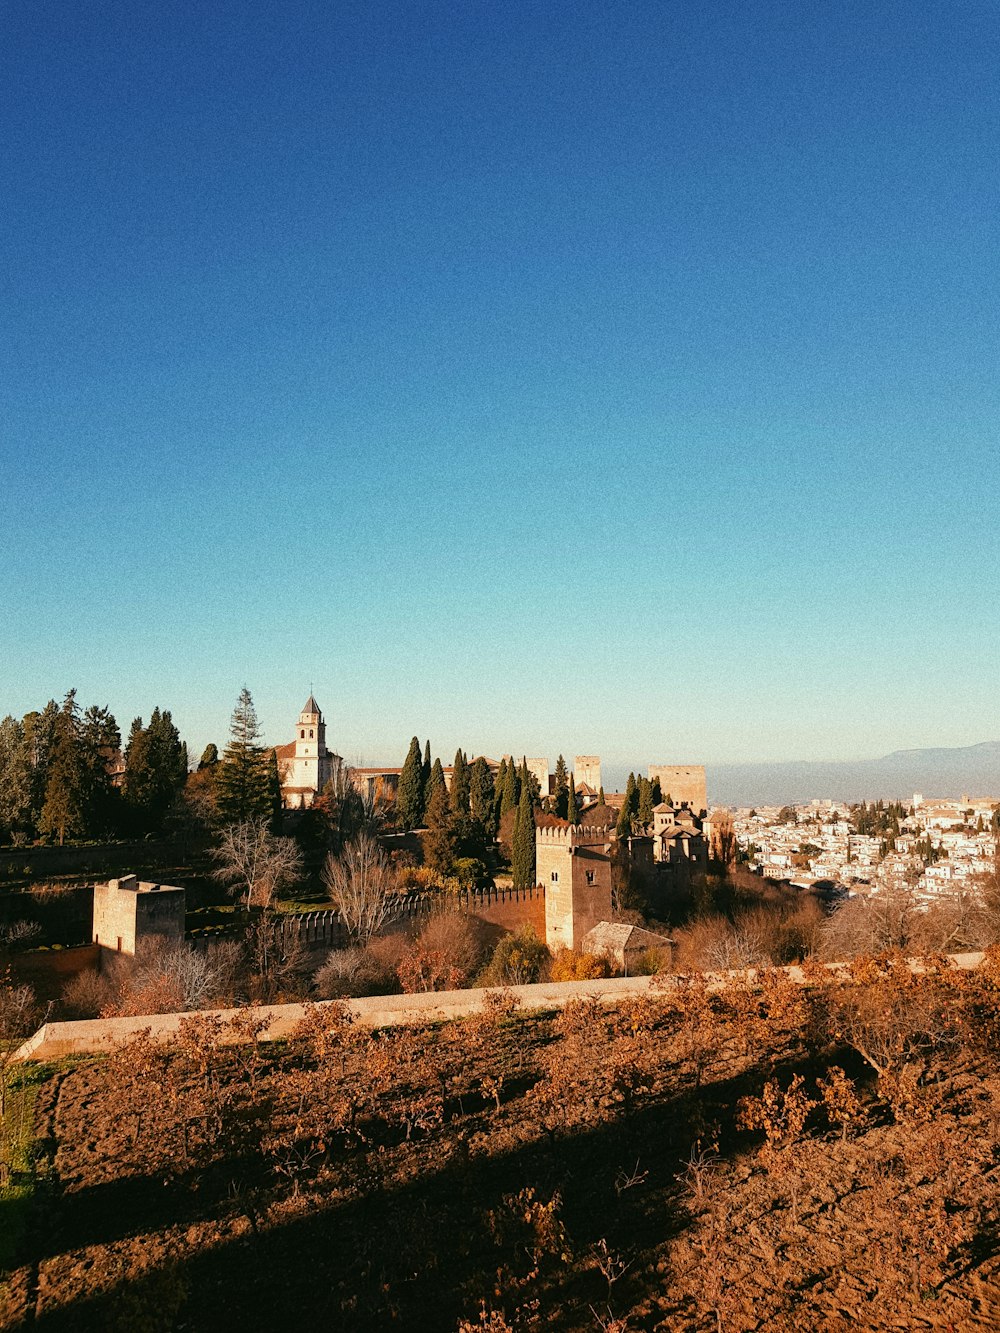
column 970, row 770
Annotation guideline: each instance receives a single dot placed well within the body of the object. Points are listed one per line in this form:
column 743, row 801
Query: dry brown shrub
column 574, row 965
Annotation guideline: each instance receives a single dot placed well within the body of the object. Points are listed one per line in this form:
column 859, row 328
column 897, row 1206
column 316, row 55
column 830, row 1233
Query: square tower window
column 302, row 735
column 310, row 733
column 555, row 877
column 591, row 876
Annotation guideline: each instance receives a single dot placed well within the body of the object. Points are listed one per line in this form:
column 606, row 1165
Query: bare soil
column 575, row 1172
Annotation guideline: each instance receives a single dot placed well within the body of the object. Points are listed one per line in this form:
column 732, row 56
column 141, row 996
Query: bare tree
column 254, row 863
column 361, row 884
column 19, row 1015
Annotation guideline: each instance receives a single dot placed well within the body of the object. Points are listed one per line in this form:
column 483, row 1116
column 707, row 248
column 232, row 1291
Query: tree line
column 63, row 773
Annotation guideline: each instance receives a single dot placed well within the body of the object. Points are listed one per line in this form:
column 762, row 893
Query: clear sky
column 613, row 378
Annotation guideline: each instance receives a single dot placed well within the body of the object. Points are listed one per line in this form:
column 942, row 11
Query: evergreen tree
column 15, row 781
column 600, row 797
column 560, row 791
column 630, row 807
column 410, row 800
column 439, row 840
column 425, row 772
column 460, row 788
column 571, row 811
column 509, row 789
column 39, row 741
column 523, row 842
column 242, row 785
column 645, row 806
column 274, row 791
column 436, row 782
column 100, row 742
column 482, row 797
column 657, row 796
column 63, row 808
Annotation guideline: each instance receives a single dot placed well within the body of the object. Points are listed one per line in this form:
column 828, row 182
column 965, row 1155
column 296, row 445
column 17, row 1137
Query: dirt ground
column 593, row 1170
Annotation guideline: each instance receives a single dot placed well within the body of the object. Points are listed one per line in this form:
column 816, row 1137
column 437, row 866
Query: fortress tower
column 573, row 864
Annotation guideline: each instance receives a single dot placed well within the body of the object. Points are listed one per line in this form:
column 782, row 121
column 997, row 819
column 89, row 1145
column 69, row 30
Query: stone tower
column 308, row 765
column 573, row 865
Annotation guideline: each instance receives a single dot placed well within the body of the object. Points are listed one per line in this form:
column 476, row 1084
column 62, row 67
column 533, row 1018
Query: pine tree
column 15, row 779
column 560, row 791
column 100, row 742
column 572, row 814
column 645, row 806
column 523, row 842
column 410, row 799
column 63, row 809
column 460, row 792
column 242, row 786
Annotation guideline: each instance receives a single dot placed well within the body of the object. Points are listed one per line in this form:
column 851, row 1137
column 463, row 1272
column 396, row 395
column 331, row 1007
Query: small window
column 555, row 877
column 119, row 944
column 591, row 876
column 302, row 735
column 310, row 733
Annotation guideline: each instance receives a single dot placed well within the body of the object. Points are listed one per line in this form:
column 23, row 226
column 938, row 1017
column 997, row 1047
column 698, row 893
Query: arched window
column 310, row 733
column 302, row 735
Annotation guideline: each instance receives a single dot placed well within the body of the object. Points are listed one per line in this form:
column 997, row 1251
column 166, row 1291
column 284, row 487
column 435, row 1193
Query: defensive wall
column 56, row 1041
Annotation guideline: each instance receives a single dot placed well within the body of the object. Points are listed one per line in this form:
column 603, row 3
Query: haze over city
column 549, row 378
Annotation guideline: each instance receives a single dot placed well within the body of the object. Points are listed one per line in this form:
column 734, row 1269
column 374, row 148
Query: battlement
column 573, row 835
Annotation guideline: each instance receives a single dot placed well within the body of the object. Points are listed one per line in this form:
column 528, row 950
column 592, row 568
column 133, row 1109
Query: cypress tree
column 571, row 811
column 460, row 785
column 410, row 799
column 425, row 772
column 645, row 807
column 436, row 782
column 600, row 797
column 482, row 797
column 560, row 793
column 439, row 840
column 242, row 784
column 657, row 795
column 629, row 808
column 523, row 842
column 209, row 756
column 508, row 791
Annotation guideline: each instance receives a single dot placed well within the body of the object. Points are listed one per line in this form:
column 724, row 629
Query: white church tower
column 310, row 765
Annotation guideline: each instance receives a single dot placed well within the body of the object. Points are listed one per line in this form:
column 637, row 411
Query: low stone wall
column 46, row 971
column 55, row 1041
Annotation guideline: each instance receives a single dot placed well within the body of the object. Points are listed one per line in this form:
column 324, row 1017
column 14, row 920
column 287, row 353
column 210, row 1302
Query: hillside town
column 930, row 847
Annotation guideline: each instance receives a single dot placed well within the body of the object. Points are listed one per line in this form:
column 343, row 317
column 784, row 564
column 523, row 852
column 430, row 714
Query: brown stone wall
column 511, row 910
column 682, row 783
column 48, row 970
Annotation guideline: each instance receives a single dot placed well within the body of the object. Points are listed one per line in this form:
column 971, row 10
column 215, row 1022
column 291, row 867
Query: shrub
column 353, row 972
column 517, row 960
column 574, row 965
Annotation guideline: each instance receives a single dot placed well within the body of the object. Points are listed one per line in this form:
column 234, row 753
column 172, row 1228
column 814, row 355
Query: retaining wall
column 55, row 1041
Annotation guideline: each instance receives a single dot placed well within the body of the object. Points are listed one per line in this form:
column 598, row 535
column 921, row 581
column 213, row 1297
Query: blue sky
column 539, row 377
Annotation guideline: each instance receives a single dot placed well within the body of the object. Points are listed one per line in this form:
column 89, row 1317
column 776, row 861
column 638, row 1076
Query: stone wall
column 55, row 1041
column 683, row 783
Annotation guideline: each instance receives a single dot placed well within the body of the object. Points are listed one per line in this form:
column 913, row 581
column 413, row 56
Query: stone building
column 682, row 784
column 128, row 911
column 573, row 865
column 678, row 838
column 305, row 764
column 587, row 772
